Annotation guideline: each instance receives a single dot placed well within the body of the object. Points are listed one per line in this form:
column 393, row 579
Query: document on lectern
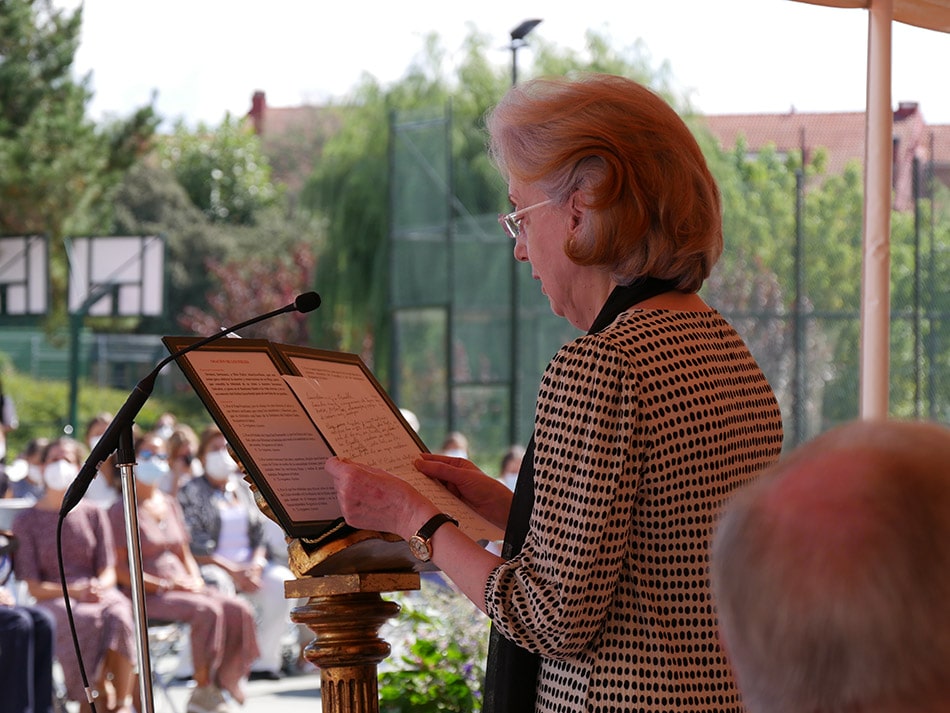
column 286, row 409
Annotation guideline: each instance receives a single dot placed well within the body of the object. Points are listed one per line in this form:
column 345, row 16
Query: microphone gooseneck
column 307, row 302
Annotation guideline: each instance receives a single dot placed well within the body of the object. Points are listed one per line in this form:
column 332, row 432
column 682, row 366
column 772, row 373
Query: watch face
column 420, row 548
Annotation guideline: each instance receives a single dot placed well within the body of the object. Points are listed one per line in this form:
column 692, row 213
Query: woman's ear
column 578, row 207
column 576, row 204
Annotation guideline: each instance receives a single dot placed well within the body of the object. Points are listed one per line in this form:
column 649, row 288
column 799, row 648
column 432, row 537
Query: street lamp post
column 517, row 41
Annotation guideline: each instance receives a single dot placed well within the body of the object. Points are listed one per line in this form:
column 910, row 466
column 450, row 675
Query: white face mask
column 151, row 471
column 35, row 474
column 455, row 453
column 59, row 474
column 18, row 470
column 219, row 464
column 165, row 431
column 93, row 441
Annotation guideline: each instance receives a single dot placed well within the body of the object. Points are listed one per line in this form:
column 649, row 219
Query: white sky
column 207, row 57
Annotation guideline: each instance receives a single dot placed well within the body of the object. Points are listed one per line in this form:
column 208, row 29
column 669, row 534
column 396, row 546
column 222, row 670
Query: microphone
column 307, row 302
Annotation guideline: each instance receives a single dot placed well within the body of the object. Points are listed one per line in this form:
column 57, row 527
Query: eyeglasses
column 512, row 221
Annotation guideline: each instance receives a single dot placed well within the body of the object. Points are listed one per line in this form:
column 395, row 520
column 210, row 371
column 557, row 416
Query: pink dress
column 88, row 548
column 223, row 636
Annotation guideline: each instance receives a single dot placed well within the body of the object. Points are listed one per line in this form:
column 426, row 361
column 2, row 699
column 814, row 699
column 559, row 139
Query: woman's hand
column 188, row 583
column 372, row 499
column 247, row 578
column 86, row 590
column 487, row 496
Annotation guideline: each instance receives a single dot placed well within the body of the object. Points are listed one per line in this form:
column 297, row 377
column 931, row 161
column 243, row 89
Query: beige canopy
column 875, row 280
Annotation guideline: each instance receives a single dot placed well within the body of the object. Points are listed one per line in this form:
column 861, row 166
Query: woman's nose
column 520, row 251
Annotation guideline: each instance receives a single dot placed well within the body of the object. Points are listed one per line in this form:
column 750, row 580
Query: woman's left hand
column 188, row 584
column 249, row 579
column 487, row 496
column 372, row 499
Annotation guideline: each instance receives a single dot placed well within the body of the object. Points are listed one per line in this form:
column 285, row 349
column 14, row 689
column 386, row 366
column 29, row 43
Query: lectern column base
column 345, row 613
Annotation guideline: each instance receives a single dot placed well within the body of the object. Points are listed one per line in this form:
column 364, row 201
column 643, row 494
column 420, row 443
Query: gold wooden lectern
column 342, row 575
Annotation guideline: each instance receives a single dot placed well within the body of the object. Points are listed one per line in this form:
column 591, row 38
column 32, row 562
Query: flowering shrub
column 439, row 642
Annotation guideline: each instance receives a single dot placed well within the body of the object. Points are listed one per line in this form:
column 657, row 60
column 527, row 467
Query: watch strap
column 434, row 523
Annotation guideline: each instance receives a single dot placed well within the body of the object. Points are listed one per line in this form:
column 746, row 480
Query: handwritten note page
column 268, row 420
column 359, row 424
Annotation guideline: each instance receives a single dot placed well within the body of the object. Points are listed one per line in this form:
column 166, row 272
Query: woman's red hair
column 654, row 206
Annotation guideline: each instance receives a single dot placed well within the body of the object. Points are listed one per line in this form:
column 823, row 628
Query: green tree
column 763, row 275
column 204, row 258
column 222, row 169
column 209, row 192
column 150, row 201
column 57, row 168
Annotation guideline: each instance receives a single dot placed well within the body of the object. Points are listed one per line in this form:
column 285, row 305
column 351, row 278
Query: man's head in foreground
column 832, row 574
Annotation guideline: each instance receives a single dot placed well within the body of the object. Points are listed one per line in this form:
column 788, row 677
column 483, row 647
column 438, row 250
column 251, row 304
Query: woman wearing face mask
column 29, row 483
column 102, row 614
column 223, row 640
column 226, row 530
column 183, row 464
column 104, row 488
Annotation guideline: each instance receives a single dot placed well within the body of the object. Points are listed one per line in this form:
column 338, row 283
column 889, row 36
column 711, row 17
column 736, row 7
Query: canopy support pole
column 875, row 283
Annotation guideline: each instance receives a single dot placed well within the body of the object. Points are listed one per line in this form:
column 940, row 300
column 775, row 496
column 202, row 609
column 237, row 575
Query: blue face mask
column 151, row 471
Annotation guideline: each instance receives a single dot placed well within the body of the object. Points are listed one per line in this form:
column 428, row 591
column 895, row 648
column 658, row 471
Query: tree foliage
column 256, row 284
column 57, row 168
column 209, row 259
column 222, row 169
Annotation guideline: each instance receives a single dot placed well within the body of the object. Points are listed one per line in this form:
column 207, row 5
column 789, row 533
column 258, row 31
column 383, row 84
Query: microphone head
column 307, row 302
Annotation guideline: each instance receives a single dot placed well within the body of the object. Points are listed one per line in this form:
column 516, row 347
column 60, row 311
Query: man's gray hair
column 832, row 574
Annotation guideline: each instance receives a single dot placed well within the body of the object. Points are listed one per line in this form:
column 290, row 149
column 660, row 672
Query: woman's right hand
column 487, row 496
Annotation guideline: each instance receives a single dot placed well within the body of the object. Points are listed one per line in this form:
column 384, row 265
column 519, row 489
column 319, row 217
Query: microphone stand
column 125, row 460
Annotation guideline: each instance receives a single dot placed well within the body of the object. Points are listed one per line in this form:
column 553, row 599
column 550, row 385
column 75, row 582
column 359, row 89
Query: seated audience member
column 510, row 466
column 455, row 445
column 223, row 640
column 104, row 488
column 101, row 613
column 226, row 530
column 28, row 482
column 831, row 574
column 165, row 425
column 26, row 657
column 183, row 463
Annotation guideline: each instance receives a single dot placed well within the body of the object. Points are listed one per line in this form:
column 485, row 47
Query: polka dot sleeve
column 554, row 605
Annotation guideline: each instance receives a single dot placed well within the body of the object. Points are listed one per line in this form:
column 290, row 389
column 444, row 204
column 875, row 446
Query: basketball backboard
column 117, row 276
column 24, row 275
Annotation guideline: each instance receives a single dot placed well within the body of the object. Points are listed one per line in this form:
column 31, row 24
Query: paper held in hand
column 285, row 409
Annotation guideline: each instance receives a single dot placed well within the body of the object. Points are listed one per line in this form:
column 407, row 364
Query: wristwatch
column 420, row 544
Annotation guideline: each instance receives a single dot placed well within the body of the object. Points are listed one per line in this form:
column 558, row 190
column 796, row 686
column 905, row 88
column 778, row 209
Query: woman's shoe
column 208, row 699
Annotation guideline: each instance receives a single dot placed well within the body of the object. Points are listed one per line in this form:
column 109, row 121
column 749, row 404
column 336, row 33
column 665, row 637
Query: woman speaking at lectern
column 643, row 427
